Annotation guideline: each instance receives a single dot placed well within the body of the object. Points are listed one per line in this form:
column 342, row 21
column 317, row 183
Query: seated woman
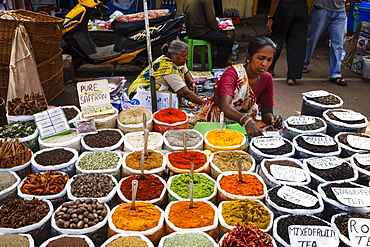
column 170, row 73
column 241, row 87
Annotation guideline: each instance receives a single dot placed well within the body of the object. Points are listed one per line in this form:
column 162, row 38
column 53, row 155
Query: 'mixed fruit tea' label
column 296, row 196
column 359, row 142
column 319, row 140
column 269, row 142
column 359, row 231
column 301, row 120
column 353, row 197
column 288, row 173
column 311, row 236
column 363, row 159
column 315, row 94
column 348, row 115
column 326, row 162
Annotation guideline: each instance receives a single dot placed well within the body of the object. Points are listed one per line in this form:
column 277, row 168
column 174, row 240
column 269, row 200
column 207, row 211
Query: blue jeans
column 335, row 22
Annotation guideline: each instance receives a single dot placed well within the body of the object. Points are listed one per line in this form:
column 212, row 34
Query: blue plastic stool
column 202, row 43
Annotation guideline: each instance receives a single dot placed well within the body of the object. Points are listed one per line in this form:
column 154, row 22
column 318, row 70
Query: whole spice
column 201, row 215
column 188, row 240
column 225, row 138
column 13, row 153
column 6, row 180
column 248, row 236
column 54, row 157
column 99, row 160
column 151, row 161
column 133, row 115
column 92, row 185
column 182, row 160
column 70, row 113
column 104, row 138
column 14, row 240
column 17, row 130
column 68, row 242
column 250, row 187
column 47, row 183
column 175, row 138
column 202, row 186
column 341, row 221
column 146, row 216
column 29, row 105
column 148, row 189
column 175, row 116
column 136, row 139
column 16, row 213
column 128, row 241
column 246, row 212
column 228, row 160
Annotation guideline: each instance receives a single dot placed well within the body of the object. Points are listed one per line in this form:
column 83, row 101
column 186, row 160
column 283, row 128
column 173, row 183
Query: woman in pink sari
column 241, row 87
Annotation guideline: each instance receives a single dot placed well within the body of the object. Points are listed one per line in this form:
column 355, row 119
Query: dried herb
column 17, row 130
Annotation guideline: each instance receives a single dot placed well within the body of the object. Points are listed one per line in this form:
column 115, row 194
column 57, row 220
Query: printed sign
column 269, row 142
column 359, row 231
column 326, row 162
column 359, row 142
column 94, row 98
column 353, row 197
column 308, row 236
column 288, row 173
column 52, row 122
column 163, row 100
column 301, row 120
column 319, row 140
column 348, row 115
column 296, row 196
column 363, row 159
column 315, row 94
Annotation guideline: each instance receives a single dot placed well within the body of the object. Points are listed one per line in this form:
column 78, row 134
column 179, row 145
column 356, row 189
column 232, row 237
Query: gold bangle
column 246, row 122
column 241, row 119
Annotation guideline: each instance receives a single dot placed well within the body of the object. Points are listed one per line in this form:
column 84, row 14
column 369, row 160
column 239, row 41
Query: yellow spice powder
column 225, row 138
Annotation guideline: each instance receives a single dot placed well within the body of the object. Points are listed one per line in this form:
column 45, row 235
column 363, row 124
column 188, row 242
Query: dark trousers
column 224, row 46
column 290, row 25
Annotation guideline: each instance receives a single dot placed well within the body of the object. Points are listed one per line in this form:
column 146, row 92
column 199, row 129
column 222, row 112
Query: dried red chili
column 165, row 116
column 147, row 190
column 181, row 160
column 47, row 183
column 251, row 186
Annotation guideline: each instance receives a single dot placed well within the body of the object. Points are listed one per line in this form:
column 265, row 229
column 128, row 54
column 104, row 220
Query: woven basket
column 45, row 33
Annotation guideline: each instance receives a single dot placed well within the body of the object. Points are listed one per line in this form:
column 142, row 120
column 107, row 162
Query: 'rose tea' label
column 288, row 173
column 296, row 196
column 359, row 231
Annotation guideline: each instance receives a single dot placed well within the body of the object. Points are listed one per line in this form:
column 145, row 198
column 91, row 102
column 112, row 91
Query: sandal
column 304, row 70
column 339, row 81
column 291, row 82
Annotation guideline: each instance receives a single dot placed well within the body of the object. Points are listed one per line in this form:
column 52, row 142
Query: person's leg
column 336, row 32
column 319, row 21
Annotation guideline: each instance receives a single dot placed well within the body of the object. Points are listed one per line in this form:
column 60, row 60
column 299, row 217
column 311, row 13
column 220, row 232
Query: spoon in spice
column 143, row 154
column 221, row 121
column 133, row 195
column 191, row 190
column 170, row 104
column 191, row 170
column 184, row 142
column 240, row 167
column 144, row 120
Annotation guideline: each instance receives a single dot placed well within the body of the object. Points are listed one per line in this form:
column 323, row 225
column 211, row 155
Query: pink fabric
column 264, row 90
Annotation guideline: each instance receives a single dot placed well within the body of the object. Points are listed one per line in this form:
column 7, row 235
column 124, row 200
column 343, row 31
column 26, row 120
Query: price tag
column 353, row 197
column 301, row 120
column 163, row 100
column 326, row 162
column 359, row 231
column 288, row 173
column 318, row 236
column 363, row 159
column 296, row 196
column 315, row 94
column 359, row 142
column 348, row 115
column 319, row 140
column 270, row 142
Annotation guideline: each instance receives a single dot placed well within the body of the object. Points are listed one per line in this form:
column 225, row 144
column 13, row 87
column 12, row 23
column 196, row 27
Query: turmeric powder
column 225, row 138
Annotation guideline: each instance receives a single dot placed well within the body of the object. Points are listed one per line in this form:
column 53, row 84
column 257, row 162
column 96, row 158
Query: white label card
column 359, row 231
column 269, row 142
column 308, row 236
column 326, row 162
column 288, row 173
column 348, row 115
column 296, row 196
column 301, row 120
column 315, row 94
column 359, row 142
column 353, row 197
column 363, row 159
column 319, row 140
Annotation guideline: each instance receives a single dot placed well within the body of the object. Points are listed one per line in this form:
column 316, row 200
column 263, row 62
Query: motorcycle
column 130, row 44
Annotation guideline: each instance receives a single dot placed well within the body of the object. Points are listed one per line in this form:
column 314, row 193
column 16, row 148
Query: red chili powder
column 147, row 190
column 251, row 186
column 165, row 116
column 181, row 160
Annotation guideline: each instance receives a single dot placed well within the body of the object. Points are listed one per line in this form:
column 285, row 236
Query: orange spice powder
column 251, row 186
column 225, row 138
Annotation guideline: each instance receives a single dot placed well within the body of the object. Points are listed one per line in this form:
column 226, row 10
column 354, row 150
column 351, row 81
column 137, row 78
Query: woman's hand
column 194, row 87
column 276, row 121
column 252, row 129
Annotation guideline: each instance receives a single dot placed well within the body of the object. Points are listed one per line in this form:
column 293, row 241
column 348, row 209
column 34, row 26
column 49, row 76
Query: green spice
column 6, row 180
column 188, row 240
column 14, row 240
column 99, row 160
column 17, row 130
column 203, row 186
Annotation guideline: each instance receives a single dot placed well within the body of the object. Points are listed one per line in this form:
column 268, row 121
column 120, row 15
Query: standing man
column 201, row 24
column 287, row 21
column 329, row 14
